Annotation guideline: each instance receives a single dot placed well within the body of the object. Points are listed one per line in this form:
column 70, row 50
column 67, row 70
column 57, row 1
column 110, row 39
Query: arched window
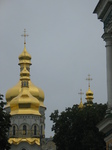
column 14, row 131
column 24, row 130
column 35, row 130
column 41, row 130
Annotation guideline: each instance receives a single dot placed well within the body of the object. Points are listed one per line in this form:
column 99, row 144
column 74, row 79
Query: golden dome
column 25, row 61
column 35, row 91
column 24, row 103
column 89, row 97
column 24, row 57
column 80, row 105
column 89, row 94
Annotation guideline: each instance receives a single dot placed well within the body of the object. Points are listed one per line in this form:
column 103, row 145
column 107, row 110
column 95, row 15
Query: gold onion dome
column 25, row 60
column 81, row 105
column 35, row 91
column 24, row 57
column 24, row 103
column 89, row 94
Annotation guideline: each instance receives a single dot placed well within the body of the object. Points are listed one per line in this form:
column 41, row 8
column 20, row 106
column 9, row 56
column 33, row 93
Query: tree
column 76, row 129
column 4, row 126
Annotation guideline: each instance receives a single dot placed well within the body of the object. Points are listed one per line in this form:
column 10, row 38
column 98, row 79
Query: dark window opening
column 24, row 130
column 25, row 84
column 14, row 131
column 35, row 130
column 41, row 129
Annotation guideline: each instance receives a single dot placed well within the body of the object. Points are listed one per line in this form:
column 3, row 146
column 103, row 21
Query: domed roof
column 24, row 54
column 35, row 91
column 25, row 62
column 89, row 94
column 24, row 103
column 81, row 105
column 24, row 57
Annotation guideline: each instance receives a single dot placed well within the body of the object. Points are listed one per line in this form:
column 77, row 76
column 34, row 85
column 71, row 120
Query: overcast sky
column 65, row 44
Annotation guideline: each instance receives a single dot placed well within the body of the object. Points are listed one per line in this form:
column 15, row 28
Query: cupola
column 25, row 62
column 89, row 93
column 81, row 104
column 24, row 103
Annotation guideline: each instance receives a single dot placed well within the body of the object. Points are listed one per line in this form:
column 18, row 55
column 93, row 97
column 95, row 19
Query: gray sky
column 65, row 44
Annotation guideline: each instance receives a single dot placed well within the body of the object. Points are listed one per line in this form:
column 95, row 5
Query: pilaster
column 108, row 39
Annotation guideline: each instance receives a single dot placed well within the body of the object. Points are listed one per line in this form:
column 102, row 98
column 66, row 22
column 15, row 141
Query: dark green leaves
column 76, row 128
column 4, row 126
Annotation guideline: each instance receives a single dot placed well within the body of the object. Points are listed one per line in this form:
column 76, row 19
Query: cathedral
column 25, row 103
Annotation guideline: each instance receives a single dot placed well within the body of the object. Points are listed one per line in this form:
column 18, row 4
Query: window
column 35, row 130
column 41, row 129
column 24, row 130
column 13, row 130
column 24, row 83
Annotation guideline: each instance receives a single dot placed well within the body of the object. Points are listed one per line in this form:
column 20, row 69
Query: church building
column 25, row 103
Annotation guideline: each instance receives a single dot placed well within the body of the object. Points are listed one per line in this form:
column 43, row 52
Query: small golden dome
column 24, row 57
column 80, row 105
column 89, row 97
column 24, row 54
column 89, row 94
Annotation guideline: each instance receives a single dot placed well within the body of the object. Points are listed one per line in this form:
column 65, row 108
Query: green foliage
column 76, row 128
column 4, row 126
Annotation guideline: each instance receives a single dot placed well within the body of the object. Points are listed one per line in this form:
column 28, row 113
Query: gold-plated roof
column 81, row 105
column 25, row 62
column 24, row 103
column 89, row 94
column 24, row 57
column 35, row 91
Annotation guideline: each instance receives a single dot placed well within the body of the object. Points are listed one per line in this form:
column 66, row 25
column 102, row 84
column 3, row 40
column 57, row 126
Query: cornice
column 102, row 7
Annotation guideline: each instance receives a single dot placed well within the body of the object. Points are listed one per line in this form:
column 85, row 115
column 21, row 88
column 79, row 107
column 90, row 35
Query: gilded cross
column 89, row 79
column 25, row 35
column 81, row 93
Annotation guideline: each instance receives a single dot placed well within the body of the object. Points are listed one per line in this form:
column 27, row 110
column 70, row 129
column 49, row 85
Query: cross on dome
column 81, row 93
column 89, row 79
column 25, row 35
